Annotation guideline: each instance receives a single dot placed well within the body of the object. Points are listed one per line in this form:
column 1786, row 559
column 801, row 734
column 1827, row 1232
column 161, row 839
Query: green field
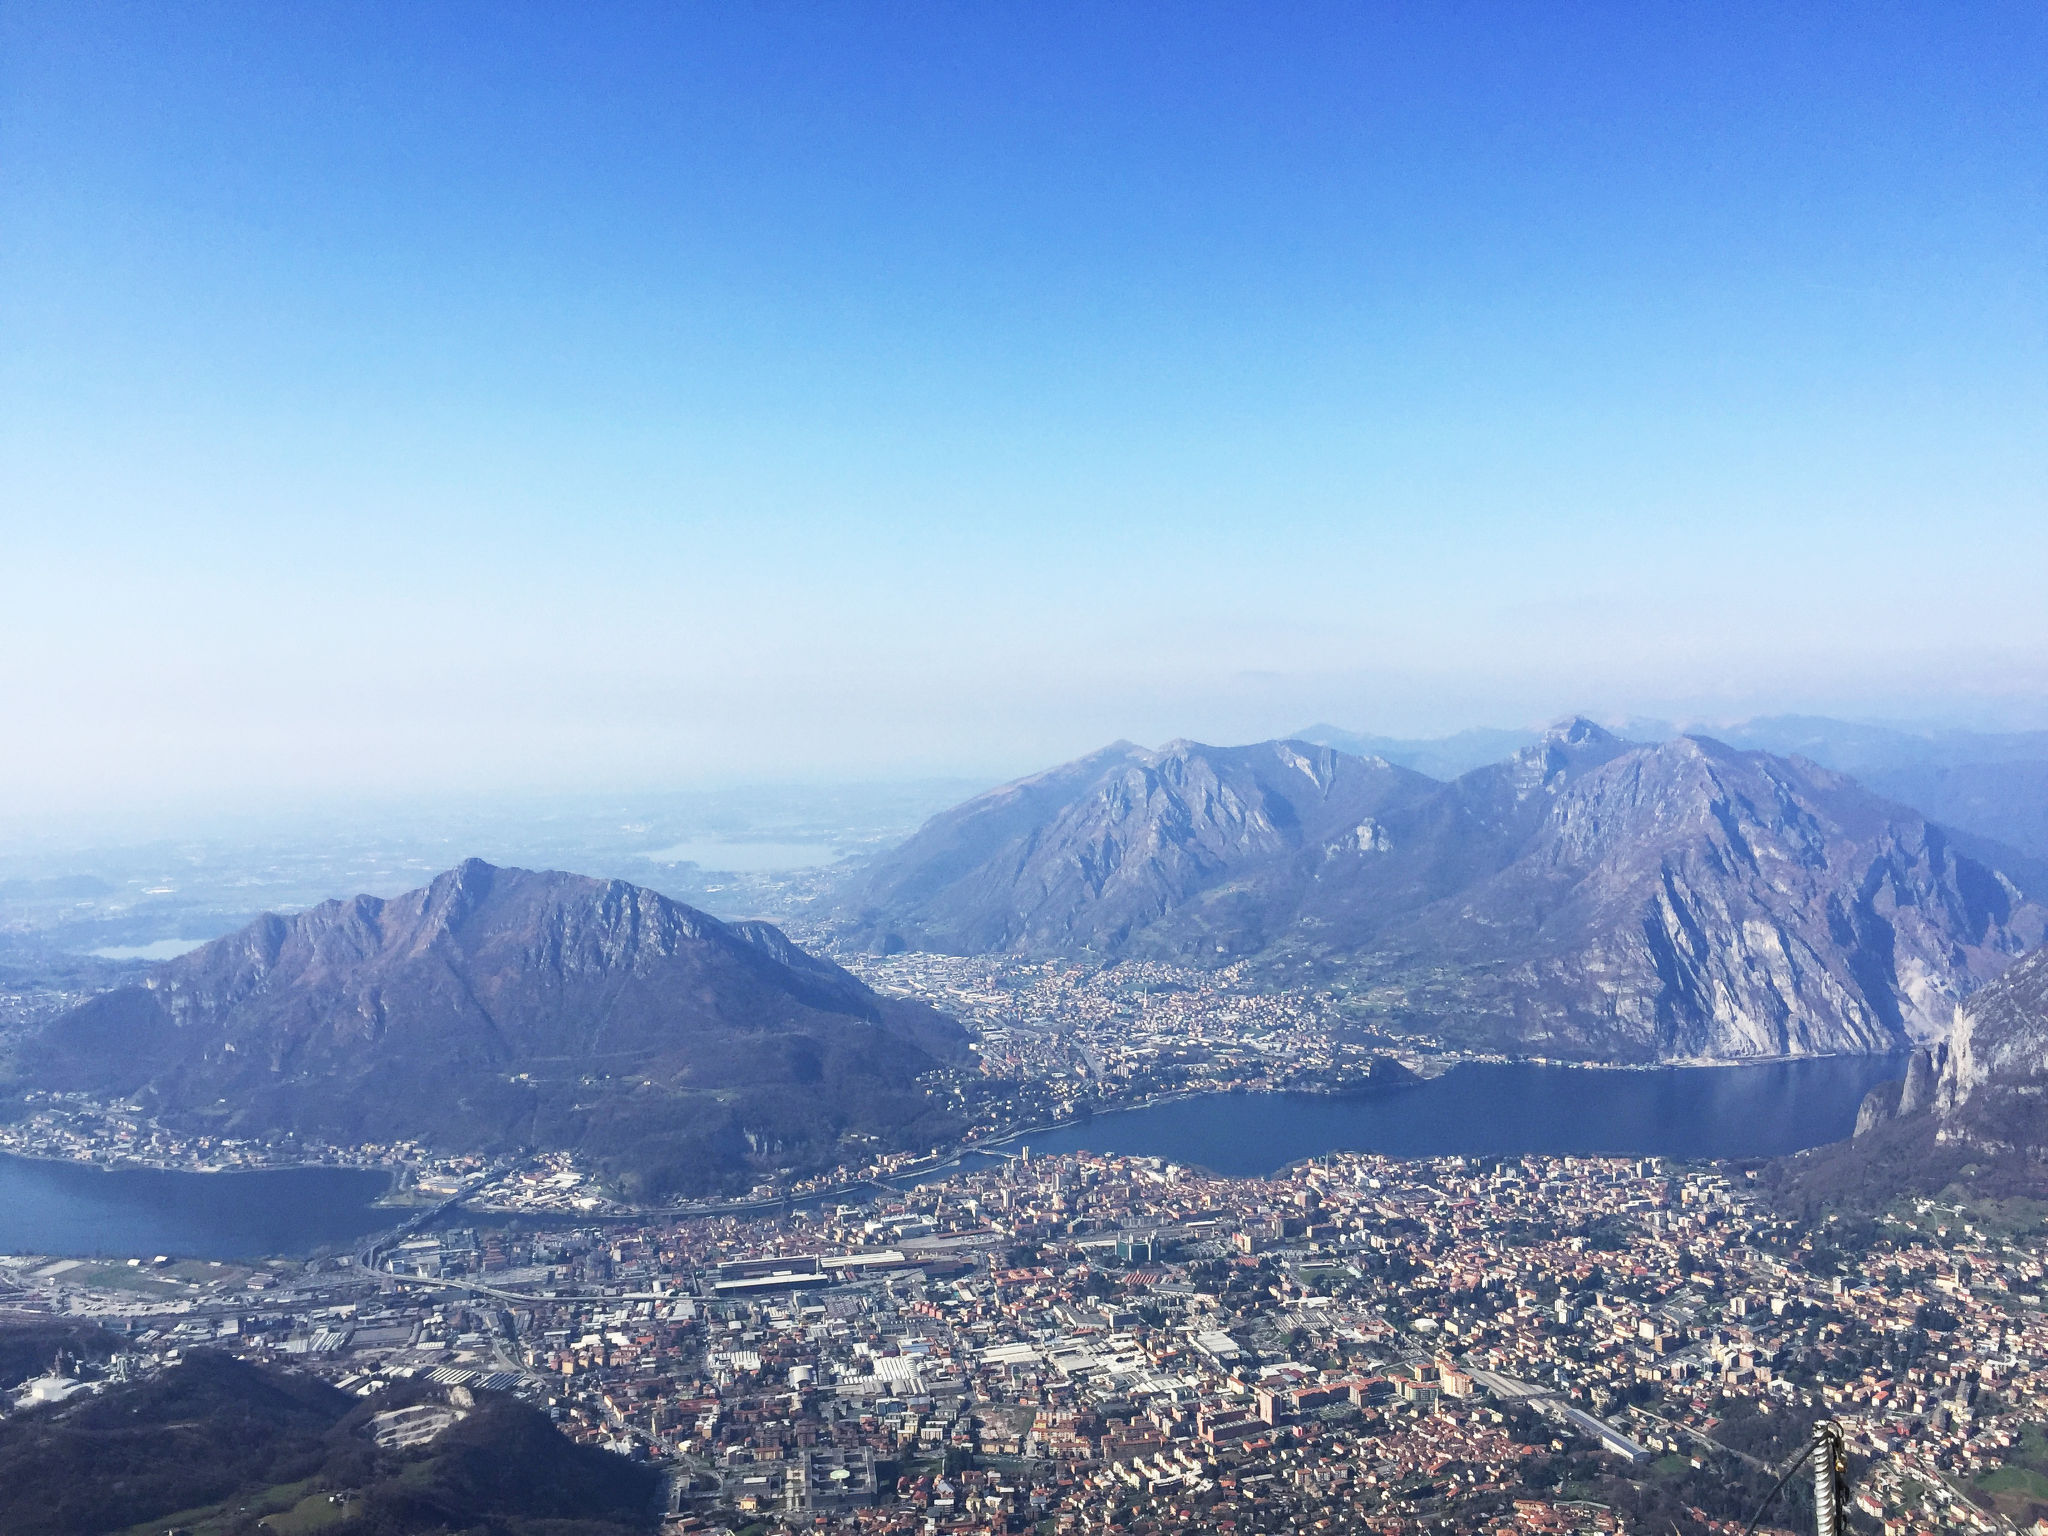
column 282, row 1500
column 2020, row 1488
column 2021, row 1480
column 315, row 1512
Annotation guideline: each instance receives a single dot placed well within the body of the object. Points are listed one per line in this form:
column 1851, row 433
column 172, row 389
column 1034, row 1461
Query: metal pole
column 1830, row 1458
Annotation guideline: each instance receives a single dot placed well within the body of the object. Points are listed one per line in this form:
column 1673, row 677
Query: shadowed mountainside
column 502, row 1008
column 228, row 1444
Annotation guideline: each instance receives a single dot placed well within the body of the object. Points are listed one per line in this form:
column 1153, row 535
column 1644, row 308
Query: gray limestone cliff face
column 1922, row 1075
column 1880, row 1106
column 1688, row 900
column 1994, row 1088
column 1914, row 1094
column 1111, row 854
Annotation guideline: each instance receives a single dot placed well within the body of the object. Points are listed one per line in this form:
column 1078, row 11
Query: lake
column 80, row 1211
column 1504, row 1109
column 1476, row 1109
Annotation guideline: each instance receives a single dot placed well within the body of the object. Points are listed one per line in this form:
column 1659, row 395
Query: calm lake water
column 77, row 1211
column 1504, row 1110
column 1690, row 1112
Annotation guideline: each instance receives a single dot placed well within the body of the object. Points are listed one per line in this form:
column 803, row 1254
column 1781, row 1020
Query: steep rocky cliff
column 1994, row 1089
column 498, row 1008
column 1688, row 900
column 1903, row 1098
column 1970, row 1120
column 1588, row 896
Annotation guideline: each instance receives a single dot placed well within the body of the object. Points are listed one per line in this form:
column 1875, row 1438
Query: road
column 526, row 1298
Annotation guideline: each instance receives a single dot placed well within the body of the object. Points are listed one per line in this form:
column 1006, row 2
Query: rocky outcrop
column 497, row 1008
column 1588, row 896
column 1922, row 1074
column 1911, row 1095
column 1969, row 1122
column 1880, row 1106
column 1994, row 1089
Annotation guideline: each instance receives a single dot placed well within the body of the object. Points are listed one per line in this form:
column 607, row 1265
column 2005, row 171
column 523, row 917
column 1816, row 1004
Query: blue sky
column 585, row 396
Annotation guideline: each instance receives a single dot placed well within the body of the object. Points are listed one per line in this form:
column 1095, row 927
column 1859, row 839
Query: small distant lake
column 1504, row 1110
column 745, row 858
column 81, row 1212
column 158, row 949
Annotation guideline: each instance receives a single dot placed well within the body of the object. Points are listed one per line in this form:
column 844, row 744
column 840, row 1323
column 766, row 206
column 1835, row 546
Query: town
column 1050, row 1042
column 1136, row 1029
column 1082, row 1342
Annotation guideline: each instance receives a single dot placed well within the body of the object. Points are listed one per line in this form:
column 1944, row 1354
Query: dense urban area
column 1080, row 1342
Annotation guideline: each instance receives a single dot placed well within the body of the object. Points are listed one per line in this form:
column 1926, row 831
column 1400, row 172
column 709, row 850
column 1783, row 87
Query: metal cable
column 1833, row 1469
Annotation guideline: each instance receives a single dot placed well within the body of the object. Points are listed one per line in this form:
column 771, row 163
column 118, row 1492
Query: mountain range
column 1990, row 784
column 497, row 1009
column 1588, row 896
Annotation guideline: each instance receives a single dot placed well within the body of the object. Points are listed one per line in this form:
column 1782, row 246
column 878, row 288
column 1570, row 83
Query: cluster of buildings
column 81, row 1128
column 1087, row 1343
column 1050, row 1040
column 1062, row 1035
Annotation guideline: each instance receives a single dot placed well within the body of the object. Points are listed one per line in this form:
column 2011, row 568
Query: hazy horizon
column 752, row 804
column 492, row 402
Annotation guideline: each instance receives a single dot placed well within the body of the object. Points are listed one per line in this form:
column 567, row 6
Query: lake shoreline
column 1433, row 1069
column 1686, row 1111
column 75, row 1209
column 1483, row 1109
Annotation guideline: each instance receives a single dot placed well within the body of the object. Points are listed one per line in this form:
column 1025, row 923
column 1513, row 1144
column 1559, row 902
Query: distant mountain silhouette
column 1441, row 757
column 502, row 1008
column 1991, row 785
column 1587, row 896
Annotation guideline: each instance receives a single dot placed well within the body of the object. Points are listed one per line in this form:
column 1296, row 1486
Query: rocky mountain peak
column 452, row 896
column 1567, row 749
column 497, row 1007
column 1578, row 731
